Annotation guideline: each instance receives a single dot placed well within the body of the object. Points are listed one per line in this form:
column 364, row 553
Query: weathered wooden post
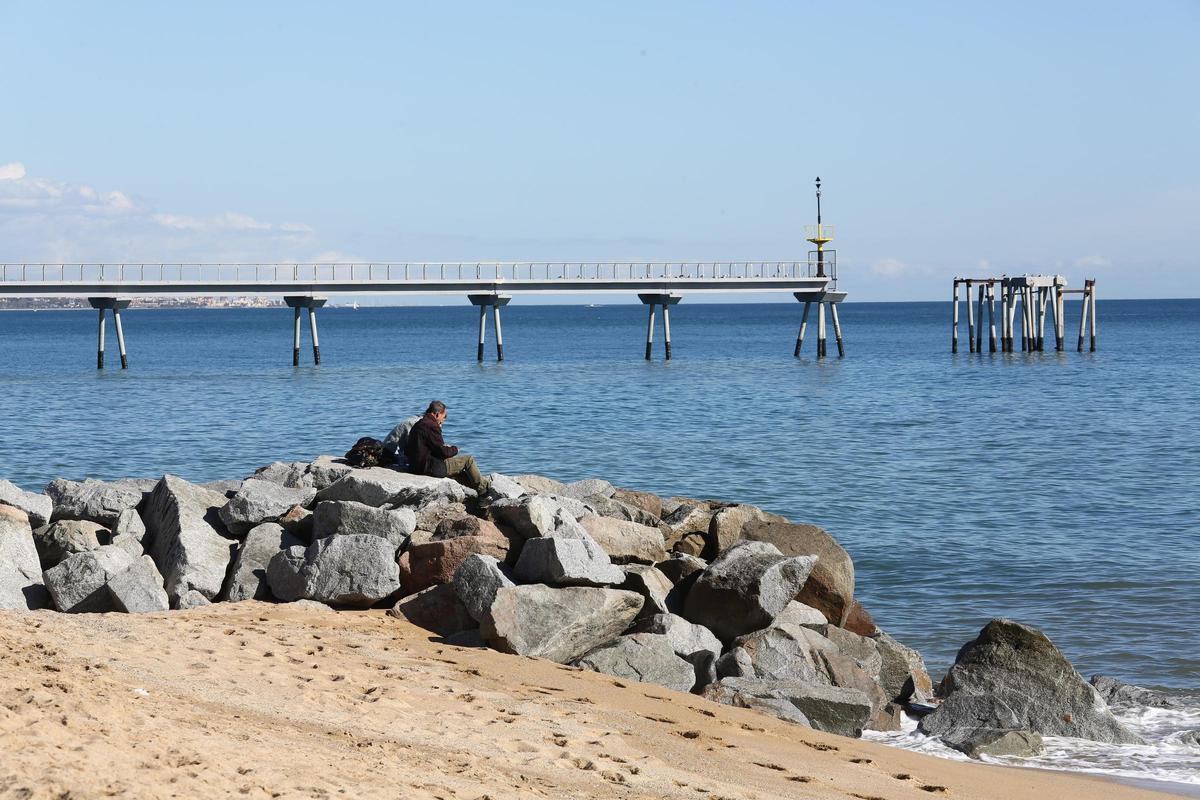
column 494, row 302
column 665, row 300
column 954, row 325
column 1091, row 287
column 991, row 293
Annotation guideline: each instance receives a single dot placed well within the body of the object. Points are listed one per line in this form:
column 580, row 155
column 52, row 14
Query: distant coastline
column 80, row 303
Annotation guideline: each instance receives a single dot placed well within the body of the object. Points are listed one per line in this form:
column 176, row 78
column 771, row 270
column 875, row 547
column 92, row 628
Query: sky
column 952, row 138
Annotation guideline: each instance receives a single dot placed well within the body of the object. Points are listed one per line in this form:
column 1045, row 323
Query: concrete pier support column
column 954, row 325
column 970, row 321
column 116, row 304
column 837, row 330
column 991, row 297
column 979, row 317
column 305, row 302
column 803, row 327
column 1060, row 321
column 821, row 329
column 1091, row 287
column 666, row 300
column 494, row 302
column 1003, row 317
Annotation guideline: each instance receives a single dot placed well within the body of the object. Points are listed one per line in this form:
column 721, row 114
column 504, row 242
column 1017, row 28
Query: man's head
column 437, row 410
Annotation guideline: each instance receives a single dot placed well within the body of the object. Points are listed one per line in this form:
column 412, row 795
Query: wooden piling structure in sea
column 1036, row 294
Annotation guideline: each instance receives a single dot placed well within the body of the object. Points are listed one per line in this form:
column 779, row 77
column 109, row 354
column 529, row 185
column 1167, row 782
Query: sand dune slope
column 255, row 700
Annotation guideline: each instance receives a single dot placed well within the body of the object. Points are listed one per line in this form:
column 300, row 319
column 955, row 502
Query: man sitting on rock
column 428, row 454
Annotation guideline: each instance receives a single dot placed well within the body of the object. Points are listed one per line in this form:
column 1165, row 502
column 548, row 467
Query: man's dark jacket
column 426, row 451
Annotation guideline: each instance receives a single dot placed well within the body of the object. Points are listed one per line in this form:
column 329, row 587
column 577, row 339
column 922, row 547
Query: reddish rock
column 425, row 565
column 858, row 620
column 830, row 586
column 456, row 527
column 650, row 503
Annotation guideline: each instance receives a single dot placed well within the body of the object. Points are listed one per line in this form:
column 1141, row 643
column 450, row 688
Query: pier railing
column 425, row 272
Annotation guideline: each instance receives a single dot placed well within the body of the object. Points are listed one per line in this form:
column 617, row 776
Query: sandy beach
column 261, row 700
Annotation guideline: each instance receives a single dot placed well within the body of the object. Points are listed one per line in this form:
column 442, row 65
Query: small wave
column 1170, row 757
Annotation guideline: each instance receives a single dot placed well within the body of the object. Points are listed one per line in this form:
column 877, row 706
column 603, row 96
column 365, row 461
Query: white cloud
column 1092, row 262
column 54, row 221
column 890, row 268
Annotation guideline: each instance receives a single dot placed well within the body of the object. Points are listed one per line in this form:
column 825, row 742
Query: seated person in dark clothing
column 428, row 454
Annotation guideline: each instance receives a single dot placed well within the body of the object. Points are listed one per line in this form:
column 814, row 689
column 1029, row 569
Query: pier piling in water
column 830, row 299
column 300, row 303
column 666, row 300
column 494, row 302
column 116, row 305
column 1040, row 297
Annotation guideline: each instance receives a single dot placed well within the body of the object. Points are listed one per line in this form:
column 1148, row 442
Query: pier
column 1035, row 294
column 489, row 285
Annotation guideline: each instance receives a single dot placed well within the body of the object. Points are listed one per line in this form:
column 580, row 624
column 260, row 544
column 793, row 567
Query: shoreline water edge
column 715, row 598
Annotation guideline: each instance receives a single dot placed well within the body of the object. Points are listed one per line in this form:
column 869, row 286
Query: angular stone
column 693, row 643
column 78, row 583
column 827, row 708
column 581, row 490
column 540, row 484
column 248, row 573
column 21, row 584
column 436, row 609
column 566, row 562
column 298, row 521
column 687, row 519
column 1021, row 744
column 680, row 566
column 902, row 674
column 780, row 652
column 260, row 501
column 476, row 582
column 324, row 471
column 352, row 570
column 284, row 473
column 38, row 507
column 830, row 586
column 858, row 620
column 504, row 487
column 626, row 542
column 425, row 565
column 651, row 584
column 557, row 624
column 138, row 588
column 745, row 589
column 650, row 503
column 692, row 544
column 1012, row 678
column 672, row 504
column 95, row 501
column 378, row 486
column 725, row 528
column 191, row 599
column 309, row 605
column 227, row 486
column 864, row 651
column 343, row 517
column 187, row 538
column 531, row 516
column 608, row 507
column 454, row 527
column 645, row 657
column 796, row 613
column 1127, row 696
column 431, row 516
column 65, row 538
column 129, row 532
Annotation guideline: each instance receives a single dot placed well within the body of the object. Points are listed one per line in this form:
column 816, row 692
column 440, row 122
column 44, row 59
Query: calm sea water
column 1060, row 490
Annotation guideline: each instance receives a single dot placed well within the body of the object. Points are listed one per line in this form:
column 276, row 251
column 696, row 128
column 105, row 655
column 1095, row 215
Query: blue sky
column 953, row 138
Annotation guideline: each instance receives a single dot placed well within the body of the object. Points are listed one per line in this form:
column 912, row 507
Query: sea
column 1061, row 490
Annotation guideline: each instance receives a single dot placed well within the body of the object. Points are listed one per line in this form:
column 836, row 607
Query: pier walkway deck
column 486, row 284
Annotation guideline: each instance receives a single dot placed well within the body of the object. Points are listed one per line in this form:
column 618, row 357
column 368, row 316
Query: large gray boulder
column 745, row 589
column 562, row 561
column 129, row 532
column 902, row 674
column 504, row 487
column 540, row 484
column 21, row 584
column 259, row 501
column 1012, row 678
column 78, row 584
column 559, row 624
column 796, row 613
column 96, row 501
column 619, row 510
column 248, row 574
column 827, row 708
column 346, row 517
column 830, row 585
column 353, row 570
column 645, row 657
column 588, row 487
column 138, row 589
column 476, row 582
column 187, row 539
column 319, row 474
column 533, row 515
column 38, row 507
column 437, row 609
column 693, row 643
column 651, row 584
column 625, row 542
column 64, row 538
column 1021, row 744
column 1127, row 696
column 863, row 650
column 284, row 473
column 378, row 486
